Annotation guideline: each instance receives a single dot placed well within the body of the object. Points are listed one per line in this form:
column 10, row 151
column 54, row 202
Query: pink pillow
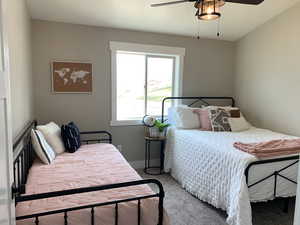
column 203, row 116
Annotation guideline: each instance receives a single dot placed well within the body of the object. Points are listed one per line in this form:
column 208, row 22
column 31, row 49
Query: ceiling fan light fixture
column 209, row 9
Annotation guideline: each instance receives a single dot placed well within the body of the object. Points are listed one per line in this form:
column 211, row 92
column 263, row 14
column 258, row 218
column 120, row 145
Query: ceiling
column 237, row 20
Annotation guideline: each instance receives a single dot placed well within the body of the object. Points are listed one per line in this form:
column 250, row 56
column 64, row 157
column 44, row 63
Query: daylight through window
column 140, row 82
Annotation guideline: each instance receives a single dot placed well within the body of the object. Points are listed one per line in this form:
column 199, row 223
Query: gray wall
column 19, row 40
column 267, row 82
column 208, row 70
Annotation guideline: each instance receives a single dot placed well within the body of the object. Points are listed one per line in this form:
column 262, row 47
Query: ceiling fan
column 209, row 9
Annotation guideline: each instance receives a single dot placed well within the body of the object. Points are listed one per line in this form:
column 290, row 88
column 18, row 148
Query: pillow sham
column 238, row 124
column 219, row 120
column 71, row 137
column 235, row 113
column 52, row 134
column 172, row 117
column 185, row 118
column 41, row 147
column 204, row 119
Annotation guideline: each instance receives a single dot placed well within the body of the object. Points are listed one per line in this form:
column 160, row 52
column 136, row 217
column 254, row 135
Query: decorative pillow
column 52, row 134
column 41, row 147
column 235, row 113
column 219, row 120
column 238, row 124
column 71, row 137
column 203, row 117
column 185, row 118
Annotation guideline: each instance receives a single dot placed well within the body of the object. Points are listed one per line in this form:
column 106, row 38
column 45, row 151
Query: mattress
column 91, row 165
column 207, row 165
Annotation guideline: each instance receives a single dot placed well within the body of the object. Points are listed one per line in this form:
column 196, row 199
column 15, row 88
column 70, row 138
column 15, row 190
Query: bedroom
column 254, row 60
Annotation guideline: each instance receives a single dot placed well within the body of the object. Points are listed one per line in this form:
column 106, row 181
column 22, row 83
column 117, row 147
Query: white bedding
column 208, row 166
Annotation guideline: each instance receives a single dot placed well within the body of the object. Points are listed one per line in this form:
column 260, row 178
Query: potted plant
column 155, row 128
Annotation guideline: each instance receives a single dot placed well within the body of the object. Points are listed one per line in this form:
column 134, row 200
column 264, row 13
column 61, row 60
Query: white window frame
column 155, row 50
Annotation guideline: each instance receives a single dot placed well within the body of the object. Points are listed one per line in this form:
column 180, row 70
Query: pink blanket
column 91, row 165
column 272, row 148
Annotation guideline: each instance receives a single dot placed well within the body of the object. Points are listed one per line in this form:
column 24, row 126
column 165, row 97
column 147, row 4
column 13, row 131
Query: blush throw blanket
column 280, row 147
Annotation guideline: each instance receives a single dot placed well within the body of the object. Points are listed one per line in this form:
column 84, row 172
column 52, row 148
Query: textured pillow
column 41, row 147
column 203, row 117
column 219, row 120
column 238, row 124
column 52, row 134
column 71, row 137
column 185, row 118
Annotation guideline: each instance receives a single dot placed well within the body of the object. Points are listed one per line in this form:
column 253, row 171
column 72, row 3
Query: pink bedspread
column 272, row 148
column 91, row 165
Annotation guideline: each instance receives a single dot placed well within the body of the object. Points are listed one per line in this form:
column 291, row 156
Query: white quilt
column 208, row 166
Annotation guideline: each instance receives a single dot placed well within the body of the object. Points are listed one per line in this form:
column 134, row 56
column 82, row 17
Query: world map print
column 72, row 77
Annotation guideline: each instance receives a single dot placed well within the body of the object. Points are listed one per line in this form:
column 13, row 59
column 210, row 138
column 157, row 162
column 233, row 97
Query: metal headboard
column 23, row 158
column 203, row 100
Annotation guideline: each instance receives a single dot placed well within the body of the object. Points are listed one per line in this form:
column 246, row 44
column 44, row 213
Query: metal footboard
column 275, row 174
column 160, row 195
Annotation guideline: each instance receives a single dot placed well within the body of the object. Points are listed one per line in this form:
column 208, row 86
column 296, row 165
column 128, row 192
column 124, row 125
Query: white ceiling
column 237, row 20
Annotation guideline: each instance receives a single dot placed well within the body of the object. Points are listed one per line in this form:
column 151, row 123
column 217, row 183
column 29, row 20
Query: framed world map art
column 72, row 77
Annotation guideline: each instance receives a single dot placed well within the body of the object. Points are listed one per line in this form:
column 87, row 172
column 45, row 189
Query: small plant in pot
column 155, row 128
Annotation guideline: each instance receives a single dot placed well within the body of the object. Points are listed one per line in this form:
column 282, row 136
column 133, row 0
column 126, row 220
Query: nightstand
column 148, row 168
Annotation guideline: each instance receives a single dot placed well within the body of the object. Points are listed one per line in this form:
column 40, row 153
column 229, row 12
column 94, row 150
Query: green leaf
column 161, row 126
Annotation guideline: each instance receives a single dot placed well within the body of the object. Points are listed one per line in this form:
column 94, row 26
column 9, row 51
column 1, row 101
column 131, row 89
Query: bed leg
column 161, row 209
column 286, row 205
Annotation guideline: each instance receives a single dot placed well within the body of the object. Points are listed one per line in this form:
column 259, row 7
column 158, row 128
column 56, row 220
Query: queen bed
column 208, row 166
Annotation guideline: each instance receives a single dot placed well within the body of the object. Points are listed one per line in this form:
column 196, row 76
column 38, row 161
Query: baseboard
column 141, row 163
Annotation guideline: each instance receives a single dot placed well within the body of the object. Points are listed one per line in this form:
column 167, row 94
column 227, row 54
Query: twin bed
column 207, row 165
column 94, row 185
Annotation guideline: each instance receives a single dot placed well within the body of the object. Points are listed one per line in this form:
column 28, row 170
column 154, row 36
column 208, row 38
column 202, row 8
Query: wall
column 19, row 40
column 268, row 74
column 208, row 70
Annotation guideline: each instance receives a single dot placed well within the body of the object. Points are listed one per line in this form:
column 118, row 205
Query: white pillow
column 185, row 118
column 238, row 124
column 52, row 134
column 41, row 147
column 172, row 115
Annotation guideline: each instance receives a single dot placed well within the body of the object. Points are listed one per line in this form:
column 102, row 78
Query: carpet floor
column 184, row 209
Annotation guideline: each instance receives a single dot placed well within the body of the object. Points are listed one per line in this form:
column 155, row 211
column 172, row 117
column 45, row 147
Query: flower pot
column 154, row 132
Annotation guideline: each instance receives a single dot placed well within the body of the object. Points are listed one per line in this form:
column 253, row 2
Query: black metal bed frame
column 275, row 174
column 24, row 160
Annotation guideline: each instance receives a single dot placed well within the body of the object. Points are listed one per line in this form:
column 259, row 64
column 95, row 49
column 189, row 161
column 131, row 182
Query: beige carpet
column 184, row 209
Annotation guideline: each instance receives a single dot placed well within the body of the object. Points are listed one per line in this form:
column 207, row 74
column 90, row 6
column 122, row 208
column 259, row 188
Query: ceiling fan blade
column 249, row 2
column 170, row 3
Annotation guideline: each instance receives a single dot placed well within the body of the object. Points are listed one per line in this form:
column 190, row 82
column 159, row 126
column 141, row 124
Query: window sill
column 116, row 123
column 126, row 123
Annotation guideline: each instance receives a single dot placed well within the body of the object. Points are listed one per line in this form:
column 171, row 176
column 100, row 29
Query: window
column 142, row 76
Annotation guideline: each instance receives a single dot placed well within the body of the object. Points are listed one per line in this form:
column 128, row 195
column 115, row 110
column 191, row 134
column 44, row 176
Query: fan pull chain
column 198, row 36
column 218, row 27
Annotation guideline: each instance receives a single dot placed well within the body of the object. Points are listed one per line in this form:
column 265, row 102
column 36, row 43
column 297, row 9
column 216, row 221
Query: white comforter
column 209, row 167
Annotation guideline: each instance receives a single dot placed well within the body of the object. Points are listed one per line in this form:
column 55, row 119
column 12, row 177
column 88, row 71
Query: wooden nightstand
column 148, row 167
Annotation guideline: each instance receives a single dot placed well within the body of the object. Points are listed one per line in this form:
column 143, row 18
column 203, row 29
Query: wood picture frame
column 69, row 76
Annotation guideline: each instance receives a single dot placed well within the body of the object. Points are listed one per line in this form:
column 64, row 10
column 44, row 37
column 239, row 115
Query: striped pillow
column 41, row 147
